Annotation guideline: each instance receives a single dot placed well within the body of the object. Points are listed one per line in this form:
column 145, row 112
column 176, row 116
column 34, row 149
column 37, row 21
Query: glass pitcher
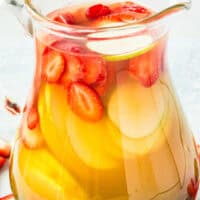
column 102, row 121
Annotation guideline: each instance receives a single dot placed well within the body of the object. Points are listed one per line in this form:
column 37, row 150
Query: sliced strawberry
column 127, row 11
column 2, row 162
column 106, row 21
column 97, row 10
column 73, row 72
column 8, row 197
column 65, row 18
column 31, row 138
column 54, row 65
column 69, row 46
column 32, row 118
column 85, row 102
column 5, row 149
column 131, row 7
column 146, row 67
column 192, row 188
column 94, row 70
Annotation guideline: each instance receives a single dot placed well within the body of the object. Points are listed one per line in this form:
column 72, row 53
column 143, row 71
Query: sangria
column 102, row 120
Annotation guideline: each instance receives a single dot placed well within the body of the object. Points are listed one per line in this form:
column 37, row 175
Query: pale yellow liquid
column 80, row 160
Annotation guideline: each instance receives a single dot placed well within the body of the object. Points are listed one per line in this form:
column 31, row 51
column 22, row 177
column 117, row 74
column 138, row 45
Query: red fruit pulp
column 97, row 10
column 2, row 161
column 8, row 197
column 5, row 149
column 85, row 102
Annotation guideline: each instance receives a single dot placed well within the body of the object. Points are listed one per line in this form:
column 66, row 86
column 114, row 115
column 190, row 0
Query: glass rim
column 68, row 29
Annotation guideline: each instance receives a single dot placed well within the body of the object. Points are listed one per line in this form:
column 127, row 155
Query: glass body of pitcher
column 102, row 121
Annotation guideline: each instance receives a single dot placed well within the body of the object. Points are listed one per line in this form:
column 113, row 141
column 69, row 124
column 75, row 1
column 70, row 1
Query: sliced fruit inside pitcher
column 137, row 111
column 85, row 137
column 85, row 102
column 45, row 176
column 79, row 144
column 121, row 48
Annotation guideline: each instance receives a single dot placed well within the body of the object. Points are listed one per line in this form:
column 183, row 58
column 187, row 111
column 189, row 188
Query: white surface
column 16, row 66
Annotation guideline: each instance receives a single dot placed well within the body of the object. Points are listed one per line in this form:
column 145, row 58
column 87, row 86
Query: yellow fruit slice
column 90, row 141
column 46, row 177
column 106, row 175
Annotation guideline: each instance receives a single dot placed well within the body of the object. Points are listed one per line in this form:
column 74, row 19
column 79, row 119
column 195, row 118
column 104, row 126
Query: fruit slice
column 5, row 149
column 97, row 10
column 32, row 138
column 63, row 134
column 85, row 102
column 73, row 72
column 45, row 176
column 94, row 69
column 123, row 47
column 2, row 161
column 8, row 197
column 92, row 142
column 54, row 65
column 32, row 118
column 146, row 68
column 107, row 21
column 136, row 110
column 132, row 9
column 62, row 128
column 65, row 18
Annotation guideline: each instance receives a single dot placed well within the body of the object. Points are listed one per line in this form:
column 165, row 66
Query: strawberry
column 85, row 102
column 54, row 65
column 106, row 21
column 94, row 70
column 65, row 18
column 130, row 7
column 69, row 46
column 2, row 162
column 8, row 197
column 97, row 11
column 31, row 138
column 146, row 67
column 32, row 118
column 73, row 71
column 192, row 188
column 4, row 149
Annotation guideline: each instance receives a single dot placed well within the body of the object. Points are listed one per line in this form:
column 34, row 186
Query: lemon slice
column 120, row 45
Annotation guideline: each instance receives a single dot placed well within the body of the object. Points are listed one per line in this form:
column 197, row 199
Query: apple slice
column 123, row 46
column 136, row 110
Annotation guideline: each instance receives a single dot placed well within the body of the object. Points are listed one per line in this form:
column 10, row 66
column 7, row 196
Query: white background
column 16, row 67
